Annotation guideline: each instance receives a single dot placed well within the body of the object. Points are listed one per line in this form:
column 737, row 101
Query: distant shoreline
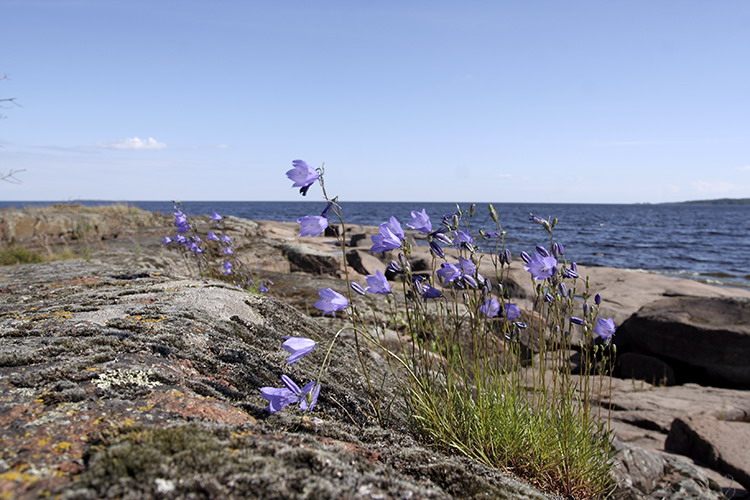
column 718, row 201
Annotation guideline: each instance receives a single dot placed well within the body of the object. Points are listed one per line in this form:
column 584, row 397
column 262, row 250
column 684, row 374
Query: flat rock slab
column 724, row 446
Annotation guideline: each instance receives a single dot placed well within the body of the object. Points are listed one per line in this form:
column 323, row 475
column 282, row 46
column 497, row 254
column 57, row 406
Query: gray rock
column 309, row 260
column 708, row 337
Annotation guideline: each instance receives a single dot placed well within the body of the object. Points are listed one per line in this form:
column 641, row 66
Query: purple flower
column 395, row 226
column 297, row 347
column 378, row 283
column 312, row 225
column 193, row 247
column 215, row 217
column 227, row 267
column 212, row 236
column 303, row 176
column 605, row 328
column 541, row 267
column 180, row 239
column 358, row 288
column 262, row 288
column 181, row 222
column 512, row 311
column 420, row 221
column 577, row 321
column 525, row 257
column 279, row 397
column 448, row 272
column 330, row 301
column 491, row 307
column 227, row 251
column 464, row 239
column 386, row 240
column 597, row 299
column 225, row 239
column 467, row 267
column 166, row 240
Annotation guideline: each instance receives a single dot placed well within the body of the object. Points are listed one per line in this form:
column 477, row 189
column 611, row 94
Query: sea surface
column 710, row 243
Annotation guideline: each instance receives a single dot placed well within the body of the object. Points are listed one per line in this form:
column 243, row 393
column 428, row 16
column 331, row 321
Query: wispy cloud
column 714, row 187
column 746, row 168
column 134, row 144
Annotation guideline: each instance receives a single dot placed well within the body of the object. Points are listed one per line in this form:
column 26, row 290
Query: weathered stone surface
column 643, row 474
column 123, row 382
column 307, row 259
column 722, row 445
column 363, row 262
column 708, row 337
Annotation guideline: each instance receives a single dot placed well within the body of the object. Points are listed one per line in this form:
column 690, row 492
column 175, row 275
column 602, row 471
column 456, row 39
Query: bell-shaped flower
column 605, row 328
column 312, row 225
column 279, row 397
column 330, row 301
column 378, row 283
column 227, row 266
column 490, row 308
column 512, row 311
column 216, row 217
column 448, row 272
column 541, row 267
column 297, row 347
column 212, row 236
column 420, row 221
column 303, row 176
column 386, row 240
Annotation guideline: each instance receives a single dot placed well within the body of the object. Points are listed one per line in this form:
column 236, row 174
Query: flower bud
column 548, row 298
column 525, row 257
column 563, row 289
column 493, row 214
column 542, row 251
column 505, row 257
column 358, row 288
column 597, row 299
column 436, row 250
column 586, row 309
column 577, row 321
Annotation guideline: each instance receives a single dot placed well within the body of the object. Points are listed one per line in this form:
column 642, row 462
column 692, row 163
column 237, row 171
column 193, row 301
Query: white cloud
column 714, row 187
column 135, row 144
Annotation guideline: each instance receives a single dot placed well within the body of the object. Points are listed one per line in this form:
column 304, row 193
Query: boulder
column 364, row 262
column 723, row 446
column 309, row 260
column 705, row 340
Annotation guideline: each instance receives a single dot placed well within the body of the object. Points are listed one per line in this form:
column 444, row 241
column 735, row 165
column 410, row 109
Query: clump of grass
column 14, row 255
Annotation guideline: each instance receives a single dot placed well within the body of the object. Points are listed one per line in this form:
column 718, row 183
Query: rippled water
column 706, row 242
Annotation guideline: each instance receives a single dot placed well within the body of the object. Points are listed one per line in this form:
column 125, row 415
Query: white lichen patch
column 121, row 377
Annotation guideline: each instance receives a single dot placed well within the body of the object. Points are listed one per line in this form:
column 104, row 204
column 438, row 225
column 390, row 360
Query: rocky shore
column 124, row 376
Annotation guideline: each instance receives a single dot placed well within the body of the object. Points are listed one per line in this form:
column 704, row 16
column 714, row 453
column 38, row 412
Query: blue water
column 706, row 242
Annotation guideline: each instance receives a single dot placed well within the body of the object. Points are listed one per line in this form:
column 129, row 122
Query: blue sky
column 502, row 101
